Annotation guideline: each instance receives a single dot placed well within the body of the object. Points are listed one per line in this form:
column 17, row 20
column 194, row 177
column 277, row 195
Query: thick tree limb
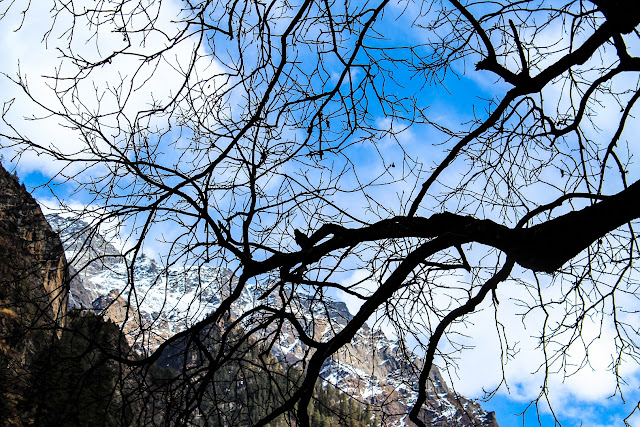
column 543, row 247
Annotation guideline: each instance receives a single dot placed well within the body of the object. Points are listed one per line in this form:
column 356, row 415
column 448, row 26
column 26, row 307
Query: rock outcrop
column 33, row 285
column 33, row 268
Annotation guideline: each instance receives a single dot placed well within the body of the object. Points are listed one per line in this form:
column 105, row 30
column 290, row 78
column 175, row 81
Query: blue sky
column 611, row 414
column 465, row 94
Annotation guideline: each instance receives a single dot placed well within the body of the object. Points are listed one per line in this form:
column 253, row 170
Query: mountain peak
column 371, row 368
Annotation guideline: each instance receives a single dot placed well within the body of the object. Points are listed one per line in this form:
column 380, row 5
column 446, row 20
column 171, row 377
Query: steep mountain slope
column 371, row 368
column 33, row 290
column 33, row 286
column 33, row 269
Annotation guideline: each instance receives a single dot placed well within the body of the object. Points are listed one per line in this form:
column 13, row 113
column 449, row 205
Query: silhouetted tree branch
column 294, row 145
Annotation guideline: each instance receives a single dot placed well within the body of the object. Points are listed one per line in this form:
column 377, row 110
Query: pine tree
column 5, row 407
column 71, row 382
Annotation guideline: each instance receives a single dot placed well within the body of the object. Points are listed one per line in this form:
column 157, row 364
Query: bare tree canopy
column 306, row 146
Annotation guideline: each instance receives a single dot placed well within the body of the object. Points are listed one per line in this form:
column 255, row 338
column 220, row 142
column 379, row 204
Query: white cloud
column 587, row 388
column 116, row 91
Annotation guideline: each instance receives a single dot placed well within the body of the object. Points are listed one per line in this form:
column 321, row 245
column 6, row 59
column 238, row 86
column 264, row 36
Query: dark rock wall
column 33, row 284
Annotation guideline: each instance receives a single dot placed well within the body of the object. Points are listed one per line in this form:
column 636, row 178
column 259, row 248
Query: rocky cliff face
column 33, row 268
column 371, row 368
column 381, row 371
column 33, row 287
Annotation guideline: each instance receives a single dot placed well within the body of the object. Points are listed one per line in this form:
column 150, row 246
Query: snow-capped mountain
column 163, row 302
